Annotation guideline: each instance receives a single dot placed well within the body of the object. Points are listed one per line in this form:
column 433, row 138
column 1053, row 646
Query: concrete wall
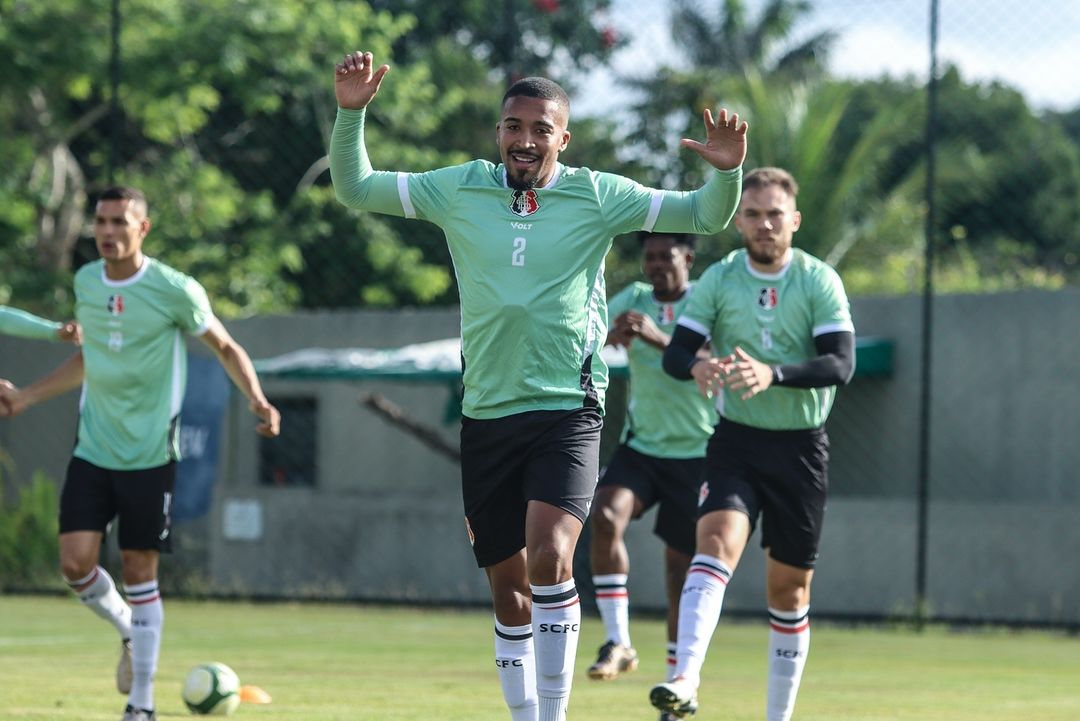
column 385, row 518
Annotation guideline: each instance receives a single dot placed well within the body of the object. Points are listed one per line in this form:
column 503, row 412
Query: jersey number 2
column 518, row 256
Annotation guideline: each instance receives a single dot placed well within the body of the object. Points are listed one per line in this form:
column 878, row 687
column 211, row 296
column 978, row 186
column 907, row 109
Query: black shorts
column 141, row 500
column 674, row 483
column 783, row 475
column 550, row 456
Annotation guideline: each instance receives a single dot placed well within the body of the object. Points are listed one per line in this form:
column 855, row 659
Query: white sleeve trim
column 834, row 327
column 694, row 326
column 654, row 211
column 201, row 330
column 403, row 195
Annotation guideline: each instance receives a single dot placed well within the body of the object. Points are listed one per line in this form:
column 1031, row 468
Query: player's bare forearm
column 241, row 371
column 67, row 376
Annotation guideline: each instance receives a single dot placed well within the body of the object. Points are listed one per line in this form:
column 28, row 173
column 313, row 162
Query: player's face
column 666, row 265
column 767, row 220
column 531, row 134
column 119, row 229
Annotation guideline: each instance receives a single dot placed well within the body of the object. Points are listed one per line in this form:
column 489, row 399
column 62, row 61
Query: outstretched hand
column 356, row 81
column 725, row 140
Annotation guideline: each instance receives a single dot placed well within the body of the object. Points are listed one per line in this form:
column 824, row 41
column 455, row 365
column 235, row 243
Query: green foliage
column 28, row 532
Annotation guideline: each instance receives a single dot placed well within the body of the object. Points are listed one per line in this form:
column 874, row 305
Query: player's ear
column 565, row 140
column 796, row 220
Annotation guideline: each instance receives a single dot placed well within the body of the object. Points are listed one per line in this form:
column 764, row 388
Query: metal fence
column 940, row 167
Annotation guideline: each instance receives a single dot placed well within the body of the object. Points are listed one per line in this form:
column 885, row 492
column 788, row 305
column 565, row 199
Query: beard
column 518, row 183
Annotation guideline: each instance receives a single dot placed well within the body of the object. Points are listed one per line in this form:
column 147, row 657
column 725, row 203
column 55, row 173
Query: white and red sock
column 789, row 644
column 98, row 593
column 699, row 612
column 672, row 653
column 613, row 602
column 516, row 662
column 147, row 619
column 556, row 625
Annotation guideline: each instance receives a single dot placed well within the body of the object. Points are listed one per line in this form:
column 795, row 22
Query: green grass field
column 353, row 663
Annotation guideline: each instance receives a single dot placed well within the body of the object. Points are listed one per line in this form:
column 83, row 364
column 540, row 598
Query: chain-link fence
column 953, row 481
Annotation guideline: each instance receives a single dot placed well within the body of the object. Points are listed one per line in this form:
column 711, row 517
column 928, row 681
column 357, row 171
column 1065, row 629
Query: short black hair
column 537, row 87
column 685, row 240
column 126, row 192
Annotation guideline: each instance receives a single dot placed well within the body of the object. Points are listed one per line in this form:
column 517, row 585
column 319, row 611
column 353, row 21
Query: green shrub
column 29, row 544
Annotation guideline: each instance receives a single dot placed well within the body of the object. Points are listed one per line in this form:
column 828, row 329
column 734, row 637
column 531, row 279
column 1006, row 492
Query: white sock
column 789, row 643
column 613, row 600
column 672, row 652
column 102, row 598
column 699, row 612
column 517, row 670
column 556, row 624
column 147, row 618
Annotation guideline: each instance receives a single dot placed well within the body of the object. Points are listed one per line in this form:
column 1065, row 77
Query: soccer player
column 658, row 461
column 528, row 239
column 780, row 321
column 132, row 368
column 27, row 325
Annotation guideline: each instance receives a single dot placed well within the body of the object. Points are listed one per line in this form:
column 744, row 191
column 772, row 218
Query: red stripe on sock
column 789, row 629
column 141, row 601
column 707, row 571
column 613, row 594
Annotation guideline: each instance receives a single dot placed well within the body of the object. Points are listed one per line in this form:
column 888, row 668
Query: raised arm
column 711, row 207
column 237, row 363
column 356, row 183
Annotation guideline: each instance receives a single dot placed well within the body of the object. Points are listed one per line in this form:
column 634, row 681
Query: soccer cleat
column 124, row 676
column 613, row 659
column 677, row 697
column 138, row 714
column 668, row 716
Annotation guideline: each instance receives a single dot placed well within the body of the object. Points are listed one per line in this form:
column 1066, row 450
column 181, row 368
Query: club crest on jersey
column 666, row 313
column 115, row 305
column 524, row 203
column 768, row 298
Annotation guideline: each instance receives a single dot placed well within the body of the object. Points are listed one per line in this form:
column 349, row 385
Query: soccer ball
column 211, row 688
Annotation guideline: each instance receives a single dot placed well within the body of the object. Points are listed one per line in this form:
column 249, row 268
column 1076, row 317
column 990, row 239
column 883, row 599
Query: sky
column 1032, row 46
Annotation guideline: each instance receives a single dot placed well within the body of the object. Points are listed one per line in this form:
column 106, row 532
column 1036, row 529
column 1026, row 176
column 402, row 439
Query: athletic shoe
column 124, row 676
column 677, row 697
column 138, row 714
column 613, row 659
column 668, row 716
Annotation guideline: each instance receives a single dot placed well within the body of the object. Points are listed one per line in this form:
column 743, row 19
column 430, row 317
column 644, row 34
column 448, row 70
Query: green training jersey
column 135, row 362
column 665, row 417
column 26, row 325
column 774, row 318
column 529, row 264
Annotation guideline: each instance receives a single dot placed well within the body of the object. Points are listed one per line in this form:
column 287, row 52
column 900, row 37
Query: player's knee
column 73, row 568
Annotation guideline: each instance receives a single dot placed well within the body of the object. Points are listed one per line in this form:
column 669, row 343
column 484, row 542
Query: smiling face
column 531, row 134
column 119, row 229
column 767, row 220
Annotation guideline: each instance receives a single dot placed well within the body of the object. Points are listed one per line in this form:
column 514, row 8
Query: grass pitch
column 354, row 663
